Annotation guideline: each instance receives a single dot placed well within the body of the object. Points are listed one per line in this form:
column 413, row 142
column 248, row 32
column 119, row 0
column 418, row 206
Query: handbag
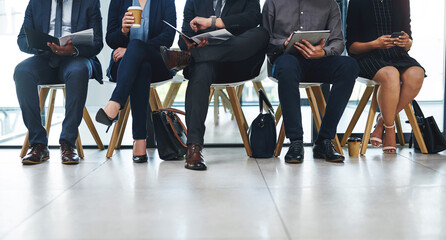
column 170, row 134
column 433, row 138
column 262, row 132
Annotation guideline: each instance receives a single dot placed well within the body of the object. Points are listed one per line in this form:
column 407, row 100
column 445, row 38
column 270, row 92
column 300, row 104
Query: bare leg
column 412, row 80
column 388, row 98
column 112, row 109
column 139, row 147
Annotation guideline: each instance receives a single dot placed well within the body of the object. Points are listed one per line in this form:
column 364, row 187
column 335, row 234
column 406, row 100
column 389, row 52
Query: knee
column 21, row 72
column 262, row 35
column 350, row 66
column 135, row 44
column 414, row 78
column 286, row 64
column 388, row 77
column 78, row 70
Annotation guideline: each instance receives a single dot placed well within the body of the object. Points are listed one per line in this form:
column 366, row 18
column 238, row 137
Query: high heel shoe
column 376, row 139
column 102, row 117
column 389, row 149
column 141, row 158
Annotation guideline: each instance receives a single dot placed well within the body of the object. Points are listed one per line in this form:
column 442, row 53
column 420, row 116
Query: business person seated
column 384, row 58
column 71, row 64
column 136, row 62
column 313, row 63
column 236, row 59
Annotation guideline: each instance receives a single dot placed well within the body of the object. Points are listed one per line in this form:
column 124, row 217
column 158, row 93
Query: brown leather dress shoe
column 38, row 154
column 194, row 158
column 175, row 60
column 68, row 154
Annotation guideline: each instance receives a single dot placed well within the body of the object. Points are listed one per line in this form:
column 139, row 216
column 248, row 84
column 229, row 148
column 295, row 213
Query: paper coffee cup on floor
column 354, row 143
column 136, row 10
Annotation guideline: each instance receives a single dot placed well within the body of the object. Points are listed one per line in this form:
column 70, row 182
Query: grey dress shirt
column 282, row 17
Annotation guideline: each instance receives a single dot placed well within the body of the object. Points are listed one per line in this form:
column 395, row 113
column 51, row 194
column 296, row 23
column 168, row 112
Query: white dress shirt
column 66, row 17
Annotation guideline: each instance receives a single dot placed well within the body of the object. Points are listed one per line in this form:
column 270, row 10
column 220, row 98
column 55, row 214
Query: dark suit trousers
column 140, row 66
column 237, row 59
column 74, row 72
column 290, row 70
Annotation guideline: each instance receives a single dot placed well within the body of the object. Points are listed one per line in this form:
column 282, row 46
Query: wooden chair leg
column 211, row 94
column 278, row 114
column 43, row 93
column 416, row 130
column 239, row 116
column 239, row 90
column 370, row 119
column 216, row 105
column 123, row 126
column 280, row 141
column 399, row 129
column 314, row 108
column 50, row 111
column 171, row 94
column 362, row 103
column 80, row 149
column 116, row 130
column 92, row 129
column 320, row 100
column 152, row 100
column 159, row 104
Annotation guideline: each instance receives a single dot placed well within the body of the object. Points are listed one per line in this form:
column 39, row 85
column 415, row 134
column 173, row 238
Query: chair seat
column 53, row 86
column 302, row 84
column 367, row 82
column 225, row 85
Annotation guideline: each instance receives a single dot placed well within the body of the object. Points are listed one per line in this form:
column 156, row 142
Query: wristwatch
column 213, row 18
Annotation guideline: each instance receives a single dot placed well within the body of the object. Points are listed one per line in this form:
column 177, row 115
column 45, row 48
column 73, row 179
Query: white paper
column 79, row 38
column 221, row 34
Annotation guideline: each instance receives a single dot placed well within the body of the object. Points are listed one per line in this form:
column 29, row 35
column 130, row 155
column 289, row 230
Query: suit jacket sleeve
column 21, row 39
column 165, row 38
column 188, row 15
column 95, row 22
column 335, row 44
column 114, row 36
column 246, row 20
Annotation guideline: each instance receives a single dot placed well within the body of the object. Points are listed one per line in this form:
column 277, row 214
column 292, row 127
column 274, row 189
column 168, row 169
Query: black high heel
column 102, row 117
column 140, row 158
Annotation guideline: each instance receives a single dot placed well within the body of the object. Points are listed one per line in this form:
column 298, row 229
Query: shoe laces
column 329, row 146
column 36, row 148
column 296, row 146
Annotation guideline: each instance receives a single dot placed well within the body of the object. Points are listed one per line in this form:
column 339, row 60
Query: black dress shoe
column 194, row 158
column 102, row 117
column 68, row 155
column 38, row 154
column 326, row 150
column 295, row 153
column 140, row 159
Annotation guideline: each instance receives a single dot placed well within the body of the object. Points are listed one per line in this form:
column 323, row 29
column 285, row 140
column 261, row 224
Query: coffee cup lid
column 354, row 139
column 134, row 8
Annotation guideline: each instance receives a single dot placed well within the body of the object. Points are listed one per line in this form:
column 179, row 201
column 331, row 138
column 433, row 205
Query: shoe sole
column 321, row 156
column 197, row 169
column 294, row 161
column 27, row 162
column 70, row 163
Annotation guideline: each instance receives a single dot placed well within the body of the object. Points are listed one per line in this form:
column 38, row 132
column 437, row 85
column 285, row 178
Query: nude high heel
column 389, row 149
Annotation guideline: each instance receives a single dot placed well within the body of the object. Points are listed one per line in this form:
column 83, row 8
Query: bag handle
column 417, row 109
column 264, row 99
column 172, row 110
column 175, row 132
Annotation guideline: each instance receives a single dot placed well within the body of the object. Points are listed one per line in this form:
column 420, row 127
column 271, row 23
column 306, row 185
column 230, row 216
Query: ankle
column 112, row 109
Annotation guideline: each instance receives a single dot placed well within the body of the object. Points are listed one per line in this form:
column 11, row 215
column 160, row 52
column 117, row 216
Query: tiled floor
column 373, row 197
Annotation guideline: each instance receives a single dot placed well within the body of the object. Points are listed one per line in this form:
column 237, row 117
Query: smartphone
column 396, row 34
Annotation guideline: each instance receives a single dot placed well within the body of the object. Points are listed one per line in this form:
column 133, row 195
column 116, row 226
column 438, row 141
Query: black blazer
column 238, row 16
column 361, row 24
column 85, row 15
column 159, row 33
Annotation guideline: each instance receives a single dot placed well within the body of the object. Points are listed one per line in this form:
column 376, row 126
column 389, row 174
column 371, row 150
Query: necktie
column 218, row 8
column 58, row 22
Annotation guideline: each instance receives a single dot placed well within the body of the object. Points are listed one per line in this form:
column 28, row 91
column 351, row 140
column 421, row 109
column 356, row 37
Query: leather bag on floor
column 262, row 132
column 433, row 138
column 170, row 134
